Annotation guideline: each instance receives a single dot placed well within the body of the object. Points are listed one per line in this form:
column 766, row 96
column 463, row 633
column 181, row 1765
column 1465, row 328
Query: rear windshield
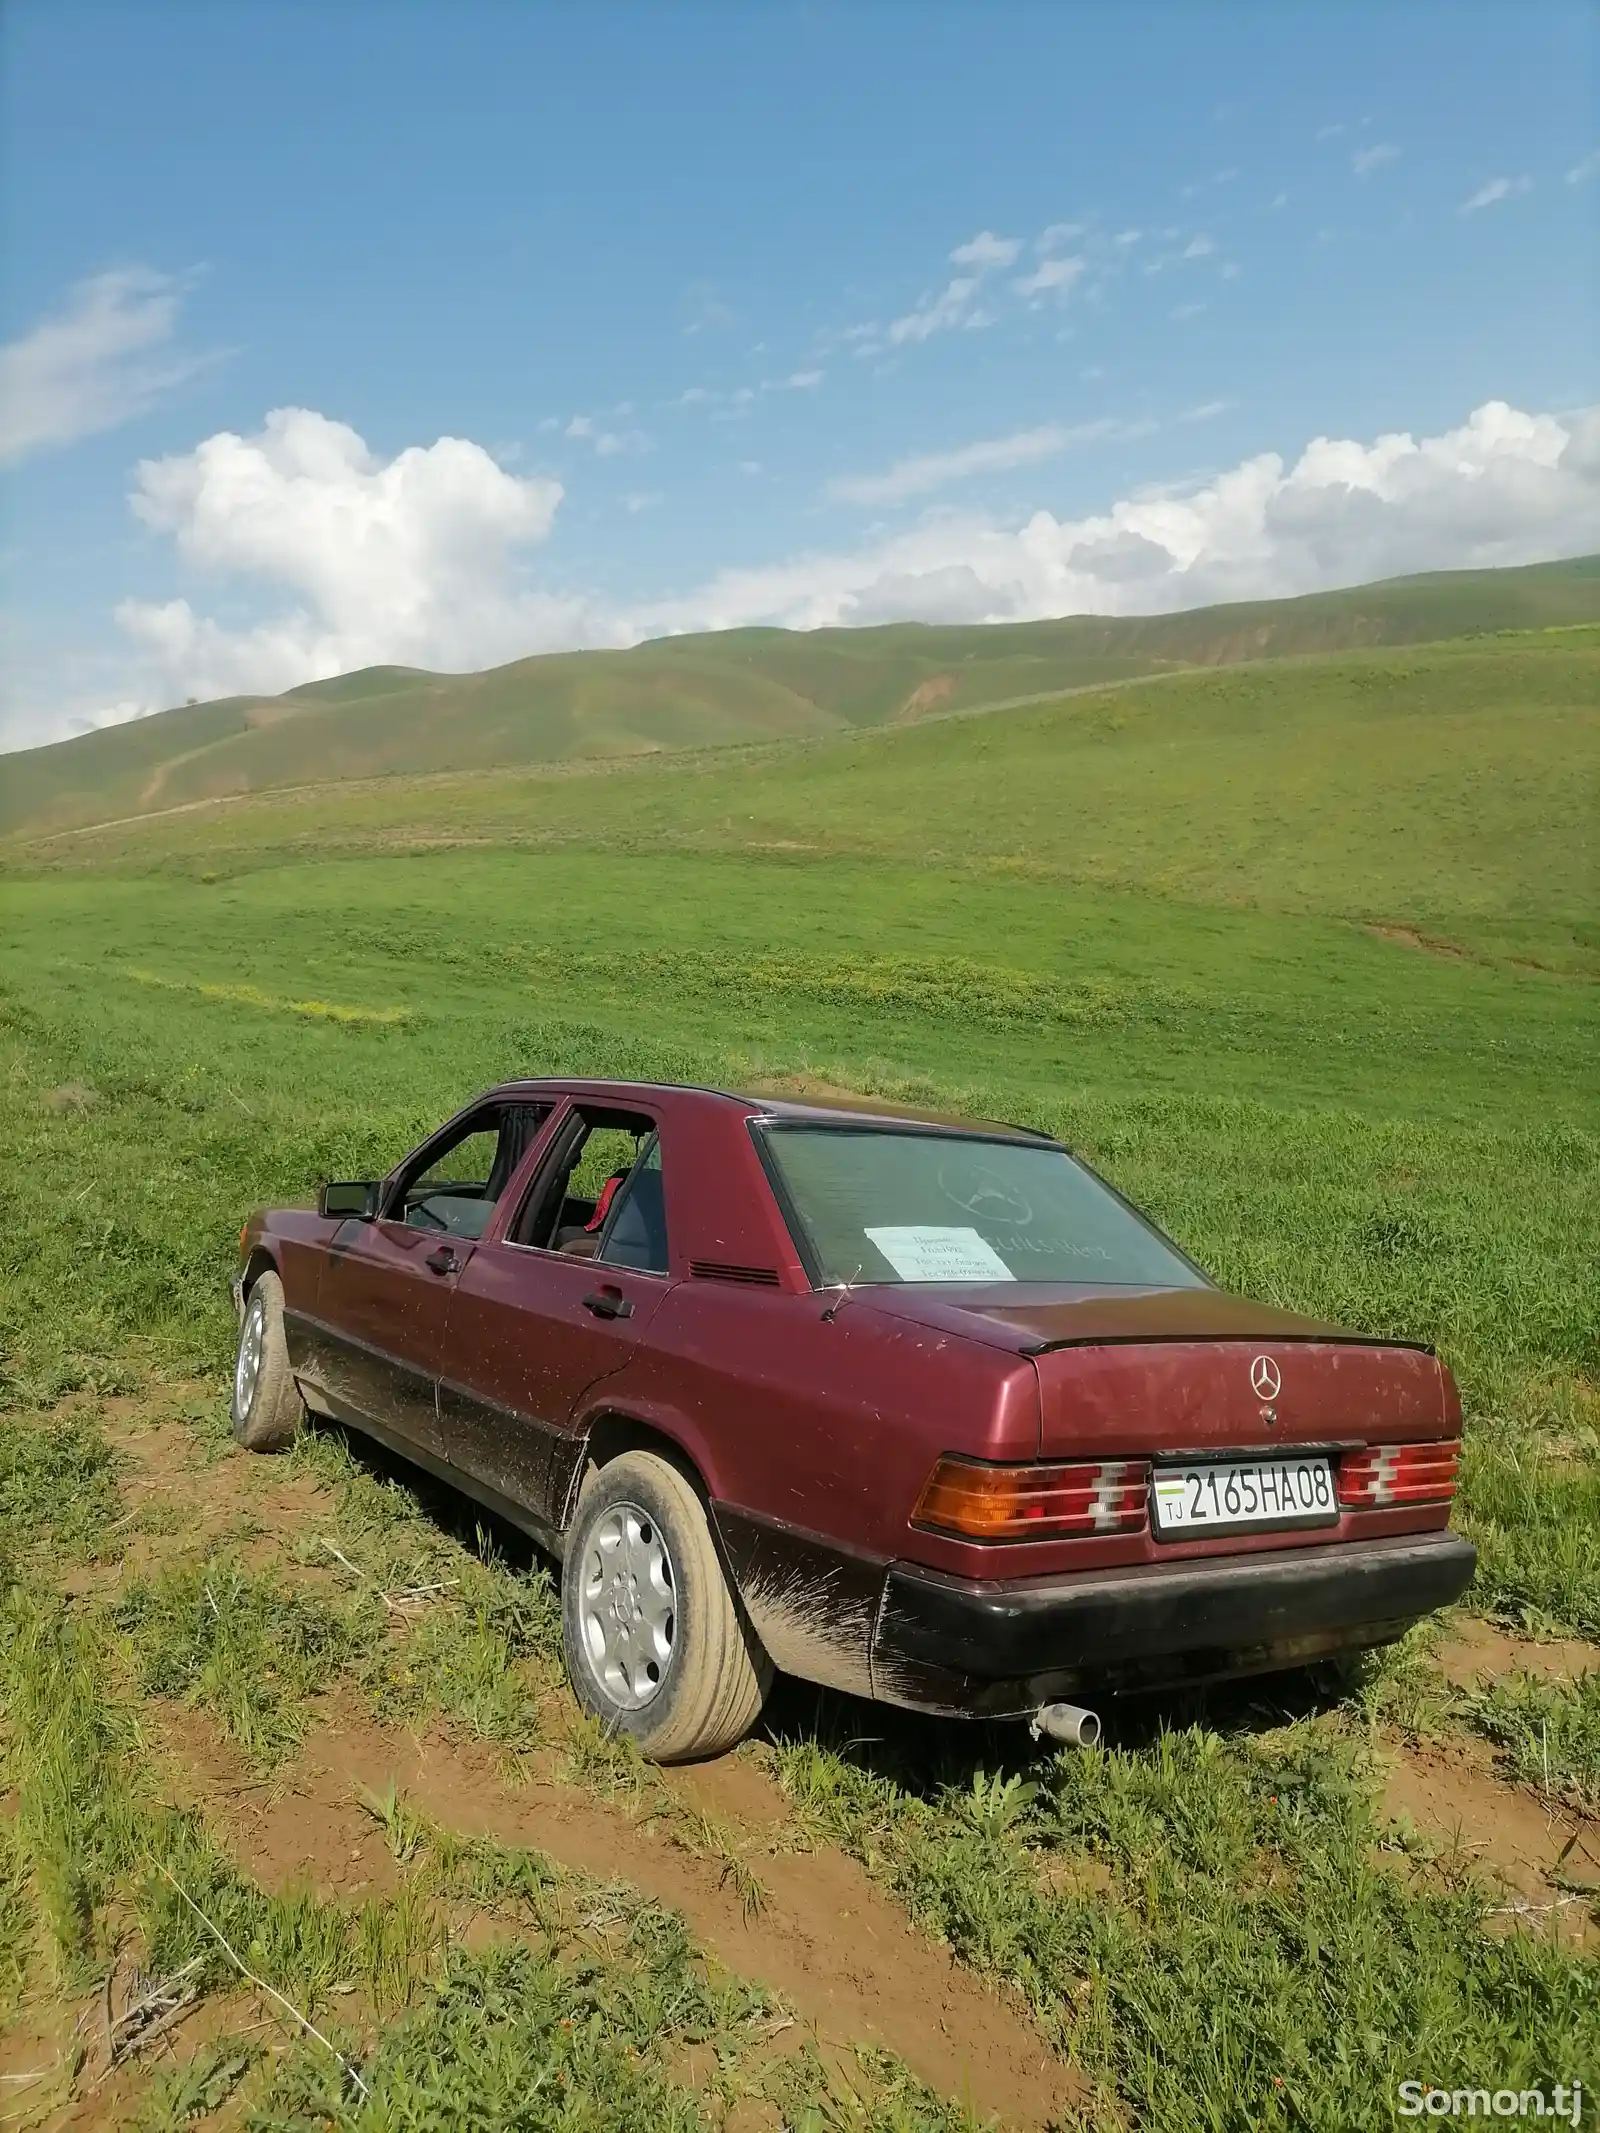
column 887, row 1206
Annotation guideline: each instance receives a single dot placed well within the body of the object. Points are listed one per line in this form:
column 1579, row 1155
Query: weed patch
column 1548, row 1731
column 244, row 1646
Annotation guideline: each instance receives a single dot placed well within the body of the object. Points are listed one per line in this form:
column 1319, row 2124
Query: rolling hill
column 738, row 686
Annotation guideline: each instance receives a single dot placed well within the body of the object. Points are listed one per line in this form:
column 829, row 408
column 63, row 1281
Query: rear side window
column 897, row 1206
column 636, row 1227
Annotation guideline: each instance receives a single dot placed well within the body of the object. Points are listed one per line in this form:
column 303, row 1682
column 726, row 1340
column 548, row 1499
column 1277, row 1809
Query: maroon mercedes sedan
column 912, row 1407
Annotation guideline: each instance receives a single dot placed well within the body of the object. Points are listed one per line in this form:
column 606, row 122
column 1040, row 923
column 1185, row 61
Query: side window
column 569, row 1203
column 636, row 1228
column 456, row 1187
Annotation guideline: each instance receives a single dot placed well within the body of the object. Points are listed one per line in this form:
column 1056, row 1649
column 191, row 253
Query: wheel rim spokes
column 248, row 1369
column 628, row 1606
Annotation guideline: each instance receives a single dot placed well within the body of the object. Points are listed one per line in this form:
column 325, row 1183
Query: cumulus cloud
column 406, row 560
column 1494, row 192
column 1584, row 169
column 1505, row 487
column 104, row 357
column 1366, row 160
column 413, row 559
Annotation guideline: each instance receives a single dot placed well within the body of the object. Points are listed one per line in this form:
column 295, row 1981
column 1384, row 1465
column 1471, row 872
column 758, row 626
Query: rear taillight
column 1389, row 1474
column 1034, row 1502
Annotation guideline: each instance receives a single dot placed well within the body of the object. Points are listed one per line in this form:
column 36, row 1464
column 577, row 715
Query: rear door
column 547, row 1307
column 384, row 1290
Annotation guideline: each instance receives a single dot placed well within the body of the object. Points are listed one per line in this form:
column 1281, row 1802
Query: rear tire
column 657, row 1646
column 266, row 1407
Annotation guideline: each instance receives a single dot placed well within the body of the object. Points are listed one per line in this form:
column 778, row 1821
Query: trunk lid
column 1154, row 1397
column 1145, row 1373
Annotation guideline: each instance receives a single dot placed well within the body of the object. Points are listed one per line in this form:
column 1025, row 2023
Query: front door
column 384, row 1290
column 551, row 1303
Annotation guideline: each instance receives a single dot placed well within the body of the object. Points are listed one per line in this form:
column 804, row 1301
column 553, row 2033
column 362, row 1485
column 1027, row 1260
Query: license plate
column 1233, row 1493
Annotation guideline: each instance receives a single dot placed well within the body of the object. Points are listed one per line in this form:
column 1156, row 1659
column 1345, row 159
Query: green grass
column 1549, row 1733
column 243, row 1646
column 1142, row 918
column 1449, row 789
column 1229, row 1944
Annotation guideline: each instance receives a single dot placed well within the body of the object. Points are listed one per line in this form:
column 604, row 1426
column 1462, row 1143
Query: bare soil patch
column 1449, row 1792
column 1477, row 1651
column 1429, row 944
column 929, row 695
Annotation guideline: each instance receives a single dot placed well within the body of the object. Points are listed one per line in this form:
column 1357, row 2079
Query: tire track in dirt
column 841, row 1953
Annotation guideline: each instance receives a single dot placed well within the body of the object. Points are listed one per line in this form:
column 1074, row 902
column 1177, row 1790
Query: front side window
column 456, row 1186
column 892, row 1205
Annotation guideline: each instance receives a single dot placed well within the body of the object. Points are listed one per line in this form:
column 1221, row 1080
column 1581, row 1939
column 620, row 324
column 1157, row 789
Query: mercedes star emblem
column 1266, row 1377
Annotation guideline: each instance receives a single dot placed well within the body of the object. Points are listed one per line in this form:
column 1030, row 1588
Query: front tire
column 266, row 1407
column 656, row 1644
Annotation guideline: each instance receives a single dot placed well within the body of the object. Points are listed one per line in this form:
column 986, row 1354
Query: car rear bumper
column 950, row 1643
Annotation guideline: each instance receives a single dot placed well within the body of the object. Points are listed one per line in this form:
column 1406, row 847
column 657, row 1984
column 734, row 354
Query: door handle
column 443, row 1261
column 608, row 1303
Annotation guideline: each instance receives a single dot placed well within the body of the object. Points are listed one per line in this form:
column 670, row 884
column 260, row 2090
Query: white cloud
column 1494, row 192
column 412, row 559
column 986, row 250
column 1584, row 169
column 1050, row 276
column 103, row 358
column 1127, row 237
column 935, row 470
column 406, row 560
column 1199, row 247
column 1057, row 233
column 802, row 381
column 1366, row 160
column 1207, row 411
column 951, row 307
column 1506, row 487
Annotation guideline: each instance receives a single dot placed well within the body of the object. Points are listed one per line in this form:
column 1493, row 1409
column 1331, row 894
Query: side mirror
column 341, row 1202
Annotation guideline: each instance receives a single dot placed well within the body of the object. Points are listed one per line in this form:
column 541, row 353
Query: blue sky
column 792, row 313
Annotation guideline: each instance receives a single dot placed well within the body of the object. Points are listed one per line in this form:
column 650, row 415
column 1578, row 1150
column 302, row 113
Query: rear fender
column 609, row 1429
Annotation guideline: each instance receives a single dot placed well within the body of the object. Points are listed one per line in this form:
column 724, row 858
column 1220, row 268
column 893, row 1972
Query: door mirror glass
column 343, row 1201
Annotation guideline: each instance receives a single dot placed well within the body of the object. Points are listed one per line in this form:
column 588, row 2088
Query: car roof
column 825, row 1105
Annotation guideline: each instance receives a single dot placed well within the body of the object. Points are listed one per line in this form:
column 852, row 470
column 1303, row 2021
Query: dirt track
column 845, row 1957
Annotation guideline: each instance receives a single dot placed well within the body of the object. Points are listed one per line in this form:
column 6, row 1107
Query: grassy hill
column 1450, row 789
column 737, row 686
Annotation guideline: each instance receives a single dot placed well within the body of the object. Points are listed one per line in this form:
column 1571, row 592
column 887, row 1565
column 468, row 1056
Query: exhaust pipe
column 1067, row 1723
